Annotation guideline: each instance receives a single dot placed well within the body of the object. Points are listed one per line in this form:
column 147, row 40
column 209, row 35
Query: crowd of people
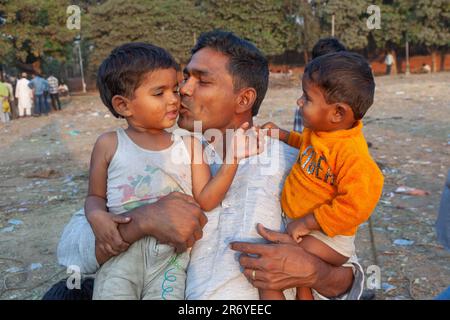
column 23, row 97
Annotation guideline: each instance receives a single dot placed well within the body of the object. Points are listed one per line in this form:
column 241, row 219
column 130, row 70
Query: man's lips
column 184, row 108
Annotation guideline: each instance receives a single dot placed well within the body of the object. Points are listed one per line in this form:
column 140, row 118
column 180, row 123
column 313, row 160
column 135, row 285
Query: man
column 24, row 96
column 389, row 61
column 224, row 85
column 40, row 87
column 53, row 85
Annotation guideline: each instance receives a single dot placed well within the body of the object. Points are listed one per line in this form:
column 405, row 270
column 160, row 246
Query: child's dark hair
column 344, row 77
column 327, row 45
column 247, row 65
column 122, row 72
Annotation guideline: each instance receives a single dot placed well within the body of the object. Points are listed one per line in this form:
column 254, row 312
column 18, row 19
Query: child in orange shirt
column 335, row 184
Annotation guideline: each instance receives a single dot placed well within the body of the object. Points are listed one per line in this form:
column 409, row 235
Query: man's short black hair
column 247, row 65
column 122, row 72
column 327, row 45
column 344, row 77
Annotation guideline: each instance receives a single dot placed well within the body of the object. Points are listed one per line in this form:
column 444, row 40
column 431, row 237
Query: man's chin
column 185, row 123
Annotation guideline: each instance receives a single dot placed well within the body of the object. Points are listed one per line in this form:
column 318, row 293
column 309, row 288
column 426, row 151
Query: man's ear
column 245, row 100
column 120, row 105
column 341, row 112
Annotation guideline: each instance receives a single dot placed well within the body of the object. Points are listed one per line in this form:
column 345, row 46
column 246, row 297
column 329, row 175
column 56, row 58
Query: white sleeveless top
column 137, row 176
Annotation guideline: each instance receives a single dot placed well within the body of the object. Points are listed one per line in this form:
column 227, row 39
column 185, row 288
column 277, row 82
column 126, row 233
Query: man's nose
column 186, row 88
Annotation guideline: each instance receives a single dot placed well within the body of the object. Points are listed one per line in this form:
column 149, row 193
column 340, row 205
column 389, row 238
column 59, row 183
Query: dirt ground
column 44, row 169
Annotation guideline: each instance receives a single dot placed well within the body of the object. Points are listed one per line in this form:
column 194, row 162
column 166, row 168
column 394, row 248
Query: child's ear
column 246, row 100
column 120, row 105
column 341, row 112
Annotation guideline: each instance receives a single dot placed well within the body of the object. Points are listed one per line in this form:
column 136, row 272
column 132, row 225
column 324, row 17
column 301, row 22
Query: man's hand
column 107, row 236
column 283, row 264
column 175, row 219
column 278, row 266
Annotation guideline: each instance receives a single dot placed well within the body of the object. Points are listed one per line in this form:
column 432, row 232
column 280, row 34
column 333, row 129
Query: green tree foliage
column 172, row 24
column 432, row 26
column 261, row 21
column 394, row 23
column 33, row 29
column 350, row 21
column 422, row 22
column 304, row 24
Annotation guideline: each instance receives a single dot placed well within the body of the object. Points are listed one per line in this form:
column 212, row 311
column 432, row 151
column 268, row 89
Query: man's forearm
column 332, row 281
column 174, row 219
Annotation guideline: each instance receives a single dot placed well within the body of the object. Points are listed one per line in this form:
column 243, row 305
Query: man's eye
column 158, row 93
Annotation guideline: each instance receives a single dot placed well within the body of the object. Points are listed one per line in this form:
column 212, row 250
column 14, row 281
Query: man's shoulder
column 282, row 151
column 275, row 161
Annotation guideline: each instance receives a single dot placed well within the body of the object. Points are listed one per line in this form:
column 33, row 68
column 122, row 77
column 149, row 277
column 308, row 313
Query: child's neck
column 150, row 139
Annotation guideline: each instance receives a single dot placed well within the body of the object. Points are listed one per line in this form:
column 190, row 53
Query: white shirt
column 214, row 271
column 389, row 59
column 24, row 93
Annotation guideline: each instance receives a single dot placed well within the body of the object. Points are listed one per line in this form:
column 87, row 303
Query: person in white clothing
column 24, row 94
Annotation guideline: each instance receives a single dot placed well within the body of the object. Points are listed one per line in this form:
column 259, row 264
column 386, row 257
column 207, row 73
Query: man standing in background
column 39, row 85
column 389, row 61
column 24, row 96
column 53, row 85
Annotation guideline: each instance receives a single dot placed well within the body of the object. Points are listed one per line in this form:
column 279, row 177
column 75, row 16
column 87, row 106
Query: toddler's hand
column 271, row 127
column 247, row 142
column 297, row 229
column 107, row 235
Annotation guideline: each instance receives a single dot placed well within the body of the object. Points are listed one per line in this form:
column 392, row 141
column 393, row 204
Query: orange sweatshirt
column 334, row 178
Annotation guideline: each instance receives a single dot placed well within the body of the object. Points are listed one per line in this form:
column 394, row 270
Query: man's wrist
column 141, row 223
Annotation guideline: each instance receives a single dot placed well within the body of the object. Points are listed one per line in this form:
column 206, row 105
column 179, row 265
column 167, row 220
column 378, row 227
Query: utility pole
column 78, row 44
column 332, row 25
column 407, row 71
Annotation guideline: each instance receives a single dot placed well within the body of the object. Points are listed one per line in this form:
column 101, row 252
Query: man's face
column 207, row 92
